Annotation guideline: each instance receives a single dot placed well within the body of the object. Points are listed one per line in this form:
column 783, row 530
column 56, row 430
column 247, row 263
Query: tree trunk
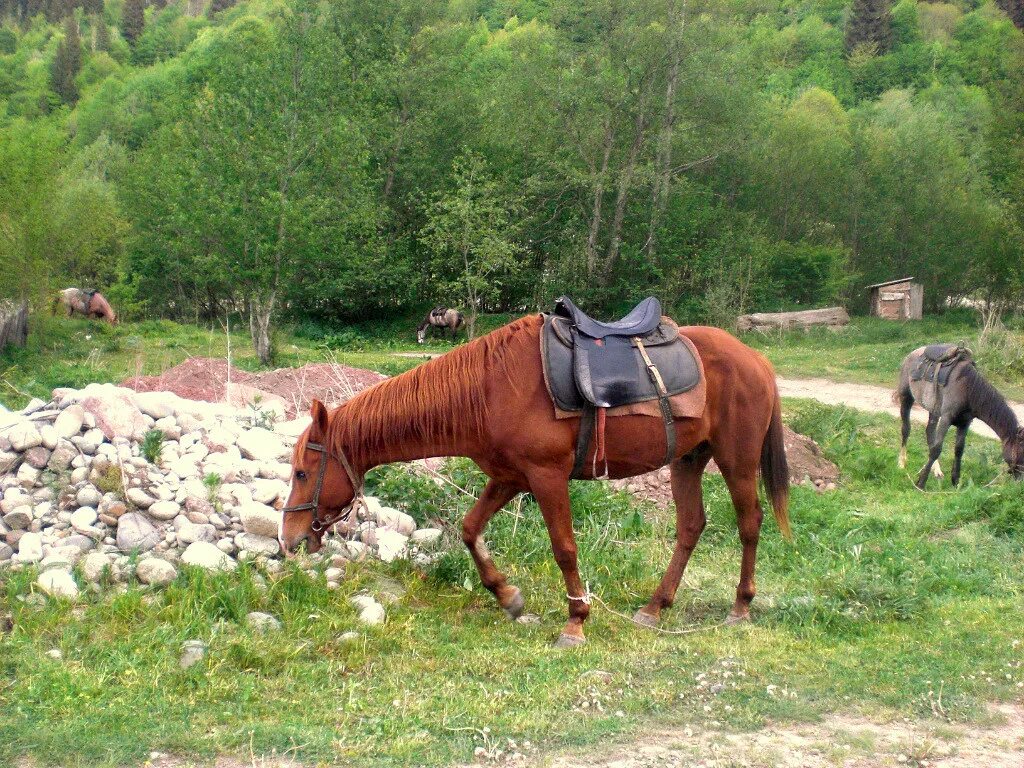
column 663, row 161
column 595, row 217
column 622, row 195
column 260, row 311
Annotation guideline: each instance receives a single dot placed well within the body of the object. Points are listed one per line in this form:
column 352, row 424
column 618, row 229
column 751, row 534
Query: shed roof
column 890, row 282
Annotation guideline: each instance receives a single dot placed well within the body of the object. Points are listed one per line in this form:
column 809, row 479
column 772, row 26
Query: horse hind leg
column 937, row 428
column 742, row 482
column 690, row 521
column 493, row 498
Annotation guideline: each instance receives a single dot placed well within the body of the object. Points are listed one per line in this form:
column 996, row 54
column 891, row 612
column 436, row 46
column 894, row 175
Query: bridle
column 319, row 525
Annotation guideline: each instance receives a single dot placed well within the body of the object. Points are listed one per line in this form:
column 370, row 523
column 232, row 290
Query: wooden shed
column 901, row 299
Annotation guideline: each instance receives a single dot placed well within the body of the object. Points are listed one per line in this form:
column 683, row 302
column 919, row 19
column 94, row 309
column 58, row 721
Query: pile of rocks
column 77, row 491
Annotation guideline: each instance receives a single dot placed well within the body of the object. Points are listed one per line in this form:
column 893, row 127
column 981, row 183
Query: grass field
column 889, row 602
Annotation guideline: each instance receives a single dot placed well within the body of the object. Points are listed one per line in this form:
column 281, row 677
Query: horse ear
column 319, row 426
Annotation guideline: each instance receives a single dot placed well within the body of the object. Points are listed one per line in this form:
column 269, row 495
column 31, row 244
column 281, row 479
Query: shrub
column 152, row 445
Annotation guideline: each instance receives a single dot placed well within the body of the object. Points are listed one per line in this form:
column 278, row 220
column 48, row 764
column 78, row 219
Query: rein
column 319, row 525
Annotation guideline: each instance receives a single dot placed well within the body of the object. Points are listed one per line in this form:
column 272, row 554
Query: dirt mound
column 197, row 378
column 806, row 465
column 205, row 378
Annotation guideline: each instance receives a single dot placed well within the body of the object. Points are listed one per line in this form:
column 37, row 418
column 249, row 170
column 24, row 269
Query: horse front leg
column 690, row 521
column 958, row 451
column 493, row 498
column 552, row 493
column 937, row 434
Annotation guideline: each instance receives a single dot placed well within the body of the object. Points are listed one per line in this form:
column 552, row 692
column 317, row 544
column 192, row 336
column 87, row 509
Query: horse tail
column 775, row 469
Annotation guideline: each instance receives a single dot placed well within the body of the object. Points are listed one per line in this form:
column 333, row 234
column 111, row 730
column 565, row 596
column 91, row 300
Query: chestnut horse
column 487, row 401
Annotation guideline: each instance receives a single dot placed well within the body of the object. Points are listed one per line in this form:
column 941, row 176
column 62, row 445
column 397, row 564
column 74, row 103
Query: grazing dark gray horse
column 943, row 379
column 443, row 318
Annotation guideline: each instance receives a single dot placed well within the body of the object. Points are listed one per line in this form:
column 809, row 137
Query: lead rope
column 587, row 597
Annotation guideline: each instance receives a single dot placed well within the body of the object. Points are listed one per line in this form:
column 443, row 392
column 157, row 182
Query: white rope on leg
column 585, row 597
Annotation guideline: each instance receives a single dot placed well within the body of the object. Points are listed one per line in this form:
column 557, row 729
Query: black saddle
column 590, row 365
column 939, row 361
column 644, row 318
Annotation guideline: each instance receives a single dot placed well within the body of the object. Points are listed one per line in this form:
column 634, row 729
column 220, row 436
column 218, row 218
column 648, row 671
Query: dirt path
column 838, row 740
column 865, row 397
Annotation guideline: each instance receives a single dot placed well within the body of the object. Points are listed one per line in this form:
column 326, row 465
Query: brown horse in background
column 92, row 304
column 487, row 400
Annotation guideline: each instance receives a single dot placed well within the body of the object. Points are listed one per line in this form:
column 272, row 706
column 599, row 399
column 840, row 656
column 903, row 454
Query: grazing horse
column 89, row 303
column 487, row 400
column 964, row 396
column 439, row 317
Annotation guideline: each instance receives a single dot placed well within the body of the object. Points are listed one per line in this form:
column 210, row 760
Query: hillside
column 325, row 162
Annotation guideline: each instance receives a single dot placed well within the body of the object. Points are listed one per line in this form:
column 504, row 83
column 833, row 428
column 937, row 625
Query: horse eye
column 300, row 475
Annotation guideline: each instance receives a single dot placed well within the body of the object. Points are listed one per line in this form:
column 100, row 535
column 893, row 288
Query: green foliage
column 111, row 481
column 67, row 62
column 152, row 445
column 133, row 20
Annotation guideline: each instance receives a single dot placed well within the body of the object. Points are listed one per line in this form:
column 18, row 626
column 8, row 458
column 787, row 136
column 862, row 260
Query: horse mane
column 987, row 403
column 435, row 403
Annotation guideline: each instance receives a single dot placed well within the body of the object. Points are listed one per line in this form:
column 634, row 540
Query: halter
column 319, row 525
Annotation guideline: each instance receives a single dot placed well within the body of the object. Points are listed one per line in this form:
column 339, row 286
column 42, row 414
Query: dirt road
column 866, row 397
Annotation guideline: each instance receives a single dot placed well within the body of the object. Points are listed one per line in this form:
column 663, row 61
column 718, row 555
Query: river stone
column 115, row 411
column 262, row 622
column 395, row 520
column 156, row 571
column 37, row 457
column 62, row 455
column 139, row 498
column 192, row 652
column 50, row 436
column 83, row 517
column 58, row 583
column 28, row 476
column 135, row 531
column 24, row 435
column 94, row 564
column 164, row 510
column 6, row 552
column 88, row 496
column 69, row 422
column 8, row 461
column 189, row 533
column 390, row 544
column 261, row 445
column 426, row 538
column 260, row 519
column 259, row 545
column 19, row 518
column 205, row 555
column 370, row 611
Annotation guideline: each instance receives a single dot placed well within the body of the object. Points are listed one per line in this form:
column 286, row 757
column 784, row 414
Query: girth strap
column 663, row 401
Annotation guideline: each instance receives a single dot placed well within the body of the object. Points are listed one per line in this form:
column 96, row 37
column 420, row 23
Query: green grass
column 869, row 350
column 884, row 594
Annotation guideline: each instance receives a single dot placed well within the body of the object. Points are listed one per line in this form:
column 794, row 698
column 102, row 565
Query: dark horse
column 92, row 304
column 440, row 317
column 964, row 397
column 487, row 400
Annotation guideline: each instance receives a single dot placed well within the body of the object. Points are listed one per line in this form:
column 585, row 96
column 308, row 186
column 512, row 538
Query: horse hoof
column 515, row 606
column 737, row 618
column 644, row 619
column 568, row 641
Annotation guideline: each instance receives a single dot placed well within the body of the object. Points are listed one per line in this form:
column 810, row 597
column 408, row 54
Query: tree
column 470, row 233
column 67, row 63
column 216, row 6
column 1014, row 9
column 133, row 20
column 101, row 34
column 92, row 7
column 869, row 25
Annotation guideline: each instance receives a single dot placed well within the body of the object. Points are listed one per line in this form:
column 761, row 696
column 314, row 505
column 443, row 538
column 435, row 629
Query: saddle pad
column 675, row 356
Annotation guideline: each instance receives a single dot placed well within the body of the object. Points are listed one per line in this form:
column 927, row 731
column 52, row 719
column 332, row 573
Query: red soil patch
column 205, row 378
column 806, row 465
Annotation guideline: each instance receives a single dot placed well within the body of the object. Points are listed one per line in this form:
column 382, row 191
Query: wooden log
column 13, row 323
column 763, row 321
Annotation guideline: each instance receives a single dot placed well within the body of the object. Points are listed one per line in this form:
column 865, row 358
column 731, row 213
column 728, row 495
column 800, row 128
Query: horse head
column 421, row 335
column 1013, row 452
column 324, row 488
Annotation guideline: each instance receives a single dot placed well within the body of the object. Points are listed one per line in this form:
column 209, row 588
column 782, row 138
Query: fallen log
column 13, row 324
column 763, row 321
